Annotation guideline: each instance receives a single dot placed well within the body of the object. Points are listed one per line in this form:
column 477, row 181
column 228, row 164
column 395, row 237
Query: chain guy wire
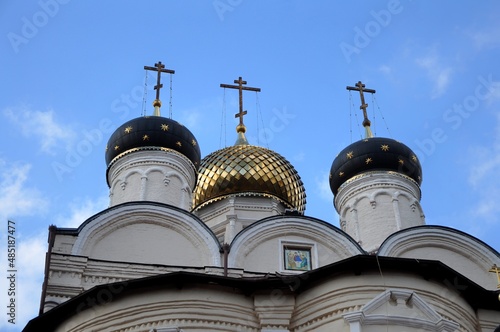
column 259, row 116
column 223, row 122
column 170, row 101
column 351, row 107
column 377, row 107
column 145, row 95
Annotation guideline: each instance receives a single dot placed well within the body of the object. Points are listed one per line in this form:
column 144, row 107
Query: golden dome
column 248, row 170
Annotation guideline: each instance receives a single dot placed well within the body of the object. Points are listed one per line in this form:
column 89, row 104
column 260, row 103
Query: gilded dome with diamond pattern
column 248, row 170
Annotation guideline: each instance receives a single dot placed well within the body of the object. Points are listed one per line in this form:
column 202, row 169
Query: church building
column 222, row 243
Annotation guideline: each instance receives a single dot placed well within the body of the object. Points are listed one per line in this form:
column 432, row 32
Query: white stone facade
column 163, row 176
column 375, row 204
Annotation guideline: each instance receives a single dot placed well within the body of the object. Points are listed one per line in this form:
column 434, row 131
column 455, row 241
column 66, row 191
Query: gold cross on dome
column 160, row 68
column 361, row 88
column 240, row 88
column 496, row 269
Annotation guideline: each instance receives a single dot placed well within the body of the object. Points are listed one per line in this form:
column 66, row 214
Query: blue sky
column 73, row 71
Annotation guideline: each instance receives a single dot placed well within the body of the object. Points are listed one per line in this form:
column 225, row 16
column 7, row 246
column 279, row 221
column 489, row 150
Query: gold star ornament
column 128, row 130
column 350, row 154
column 368, row 160
column 164, row 127
column 384, row 147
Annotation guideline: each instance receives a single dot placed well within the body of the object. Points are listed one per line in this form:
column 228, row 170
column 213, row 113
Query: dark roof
column 436, row 271
column 370, row 154
column 153, row 131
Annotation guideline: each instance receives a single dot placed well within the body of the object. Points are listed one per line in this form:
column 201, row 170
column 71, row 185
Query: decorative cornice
column 372, row 180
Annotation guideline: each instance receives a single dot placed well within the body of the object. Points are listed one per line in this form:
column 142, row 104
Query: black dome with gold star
column 371, row 154
column 152, row 132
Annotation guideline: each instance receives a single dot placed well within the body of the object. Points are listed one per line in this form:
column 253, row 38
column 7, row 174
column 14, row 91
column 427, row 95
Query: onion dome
column 152, row 133
column 374, row 154
column 248, row 170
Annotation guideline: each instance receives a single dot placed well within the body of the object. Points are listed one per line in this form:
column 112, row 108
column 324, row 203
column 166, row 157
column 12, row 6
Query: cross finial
column 240, row 88
column 366, row 122
column 496, row 269
column 160, row 68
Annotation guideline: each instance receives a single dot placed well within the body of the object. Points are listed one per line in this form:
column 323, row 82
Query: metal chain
column 145, row 94
column 170, row 101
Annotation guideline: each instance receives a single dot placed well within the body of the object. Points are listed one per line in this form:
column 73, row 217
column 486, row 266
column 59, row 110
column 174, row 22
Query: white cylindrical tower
column 376, row 184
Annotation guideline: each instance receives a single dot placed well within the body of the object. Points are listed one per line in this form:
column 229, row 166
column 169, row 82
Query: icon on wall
column 297, row 259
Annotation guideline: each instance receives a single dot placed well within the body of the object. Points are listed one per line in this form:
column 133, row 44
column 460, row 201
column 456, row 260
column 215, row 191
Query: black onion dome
column 153, row 132
column 371, row 154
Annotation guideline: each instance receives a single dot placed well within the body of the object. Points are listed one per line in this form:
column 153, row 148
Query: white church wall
column 462, row 252
column 262, row 246
column 63, row 244
column 190, row 308
column 489, row 320
column 337, row 304
column 148, row 233
column 148, row 243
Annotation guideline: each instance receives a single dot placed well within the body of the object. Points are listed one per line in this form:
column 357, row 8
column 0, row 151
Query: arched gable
column 262, row 247
column 150, row 233
column 462, row 252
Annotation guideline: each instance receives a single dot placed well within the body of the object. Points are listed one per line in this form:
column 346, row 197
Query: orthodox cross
column 496, row 269
column 361, row 88
column 240, row 88
column 160, row 68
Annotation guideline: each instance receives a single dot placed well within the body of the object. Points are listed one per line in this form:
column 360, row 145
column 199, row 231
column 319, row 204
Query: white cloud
column 483, row 170
column 485, row 39
column 16, row 199
column 299, row 157
column 323, row 187
column 43, row 126
column 192, row 120
column 80, row 210
column 385, row 69
column 439, row 74
column 483, row 178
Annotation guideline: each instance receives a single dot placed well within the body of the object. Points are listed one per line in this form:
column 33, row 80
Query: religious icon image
column 297, row 259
